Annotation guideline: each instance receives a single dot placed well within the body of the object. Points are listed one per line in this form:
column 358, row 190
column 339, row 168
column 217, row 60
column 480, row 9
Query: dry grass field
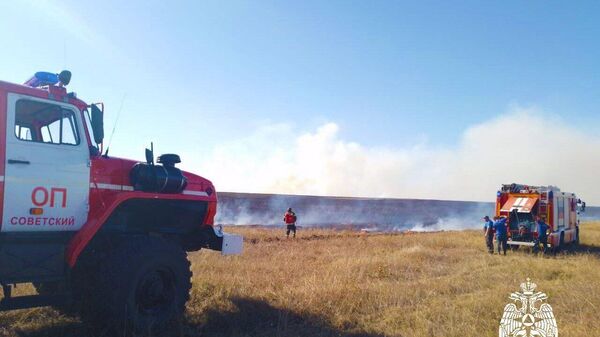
column 332, row 283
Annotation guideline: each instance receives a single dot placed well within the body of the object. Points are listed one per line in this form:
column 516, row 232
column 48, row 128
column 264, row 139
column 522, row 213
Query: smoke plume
column 523, row 146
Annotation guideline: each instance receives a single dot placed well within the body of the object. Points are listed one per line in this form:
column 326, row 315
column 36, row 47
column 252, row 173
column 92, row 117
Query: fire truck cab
column 520, row 204
column 107, row 234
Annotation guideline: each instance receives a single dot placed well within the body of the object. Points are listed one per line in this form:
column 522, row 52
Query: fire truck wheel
column 142, row 286
column 576, row 240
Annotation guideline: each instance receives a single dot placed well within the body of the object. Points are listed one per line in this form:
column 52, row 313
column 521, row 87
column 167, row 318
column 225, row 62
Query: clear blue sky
column 387, row 72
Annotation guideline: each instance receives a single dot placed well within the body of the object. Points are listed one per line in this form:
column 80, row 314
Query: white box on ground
column 232, row 244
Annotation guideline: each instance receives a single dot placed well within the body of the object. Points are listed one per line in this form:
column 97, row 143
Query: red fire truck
column 87, row 228
column 520, row 204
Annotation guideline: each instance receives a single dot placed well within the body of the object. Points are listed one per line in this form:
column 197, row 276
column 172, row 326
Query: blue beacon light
column 42, row 78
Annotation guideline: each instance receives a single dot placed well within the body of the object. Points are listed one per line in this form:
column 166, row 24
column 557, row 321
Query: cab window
column 23, row 133
column 42, row 122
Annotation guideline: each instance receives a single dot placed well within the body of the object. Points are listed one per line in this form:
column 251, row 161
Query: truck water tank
column 165, row 178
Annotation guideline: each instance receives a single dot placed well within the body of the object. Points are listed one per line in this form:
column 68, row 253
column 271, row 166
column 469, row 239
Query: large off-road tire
column 141, row 286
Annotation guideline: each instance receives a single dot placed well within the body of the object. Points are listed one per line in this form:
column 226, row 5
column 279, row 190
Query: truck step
column 32, row 301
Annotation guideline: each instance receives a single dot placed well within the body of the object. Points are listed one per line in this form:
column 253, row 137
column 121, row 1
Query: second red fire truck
column 520, row 204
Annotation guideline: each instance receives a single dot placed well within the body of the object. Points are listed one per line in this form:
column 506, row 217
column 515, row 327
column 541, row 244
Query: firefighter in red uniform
column 290, row 221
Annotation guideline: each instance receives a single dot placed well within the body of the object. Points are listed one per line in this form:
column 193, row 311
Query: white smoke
column 446, row 224
column 523, row 145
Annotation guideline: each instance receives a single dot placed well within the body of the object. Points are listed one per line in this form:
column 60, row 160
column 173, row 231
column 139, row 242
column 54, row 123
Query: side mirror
column 98, row 123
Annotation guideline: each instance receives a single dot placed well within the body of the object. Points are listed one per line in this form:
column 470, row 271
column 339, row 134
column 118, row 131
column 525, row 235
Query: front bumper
column 213, row 237
column 521, row 243
column 231, row 244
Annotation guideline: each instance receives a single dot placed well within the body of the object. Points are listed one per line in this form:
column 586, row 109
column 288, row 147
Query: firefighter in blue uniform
column 542, row 234
column 488, row 233
column 501, row 234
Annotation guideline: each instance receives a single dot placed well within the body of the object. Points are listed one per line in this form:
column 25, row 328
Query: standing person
column 501, row 234
column 488, row 233
column 290, row 221
column 542, row 234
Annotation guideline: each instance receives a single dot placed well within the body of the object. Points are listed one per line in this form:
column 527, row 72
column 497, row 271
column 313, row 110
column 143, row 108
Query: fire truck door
column 46, row 183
